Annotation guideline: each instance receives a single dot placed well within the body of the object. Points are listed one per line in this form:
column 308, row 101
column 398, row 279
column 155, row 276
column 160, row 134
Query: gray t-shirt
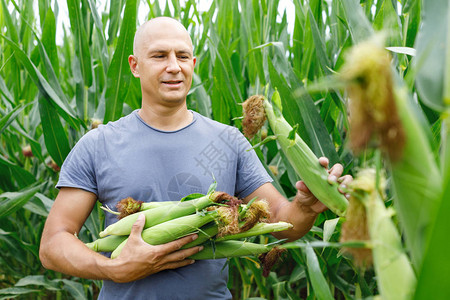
column 129, row 158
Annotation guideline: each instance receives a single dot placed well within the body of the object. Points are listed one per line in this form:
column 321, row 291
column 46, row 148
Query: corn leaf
column 13, row 292
column 358, row 24
column 14, row 176
column 430, row 285
column 55, row 136
column 318, row 281
column 432, row 49
column 10, row 117
column 63, row 108
column 115, row 10
column 12, row 201
column 38, row 280
column 81, row 41
column 119, row 75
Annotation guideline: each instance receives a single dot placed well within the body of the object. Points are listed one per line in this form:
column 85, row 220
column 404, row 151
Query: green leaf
column 13, row 292
column 291, row 135
column 433, row 54
column 49, row 40
column 329, row 228
column 358, row 24
column 55, row 136
column 114, row 19
column 38, row 280
column 432, row 283
column 15, row 173
column 318, row 281
column 10, row 117
column 119, row 74
column 12, row 201
column 12, row 32
column 81, row 43
column 75, row 289
column 403, row 50
column 63, row 108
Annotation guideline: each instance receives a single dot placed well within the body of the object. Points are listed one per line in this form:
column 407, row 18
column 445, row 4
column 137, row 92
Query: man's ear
column 195, row 60
column 132, row 61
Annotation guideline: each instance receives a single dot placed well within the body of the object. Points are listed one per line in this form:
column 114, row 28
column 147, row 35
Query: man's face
column 165, row 64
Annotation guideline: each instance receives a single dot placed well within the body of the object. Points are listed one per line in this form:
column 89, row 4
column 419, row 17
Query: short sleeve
column 251, row 174
column 78, row 169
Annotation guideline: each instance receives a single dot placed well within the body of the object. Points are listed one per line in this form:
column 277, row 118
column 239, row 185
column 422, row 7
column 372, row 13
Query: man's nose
column 172, row 64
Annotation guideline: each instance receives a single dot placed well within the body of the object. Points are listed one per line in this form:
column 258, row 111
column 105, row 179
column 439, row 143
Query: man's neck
column 166, row 118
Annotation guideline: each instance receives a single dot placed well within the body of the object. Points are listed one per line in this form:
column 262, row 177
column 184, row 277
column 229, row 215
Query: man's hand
column 308, row 202
column 139, row 259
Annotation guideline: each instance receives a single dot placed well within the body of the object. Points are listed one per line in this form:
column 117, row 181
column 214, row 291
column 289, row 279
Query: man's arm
column 62, row 251
column 304, row 208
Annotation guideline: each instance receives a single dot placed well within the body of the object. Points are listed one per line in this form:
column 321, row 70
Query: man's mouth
column 172, row 82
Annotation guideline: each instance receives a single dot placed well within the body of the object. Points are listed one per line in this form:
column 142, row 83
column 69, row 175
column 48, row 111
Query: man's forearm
column 66, row 254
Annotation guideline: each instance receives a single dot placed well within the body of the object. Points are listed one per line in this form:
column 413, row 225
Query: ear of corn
column 161, row 214
column 106, row 244
column 259, row 228
column 230, row 248
column 204, row 233
column 416, row 180
column 171, row 230
column 304, row 161
column 395, row 275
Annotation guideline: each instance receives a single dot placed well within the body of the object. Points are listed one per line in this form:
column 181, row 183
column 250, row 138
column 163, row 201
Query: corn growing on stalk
column 395, row 276
column 383, row 116
column 302, row 159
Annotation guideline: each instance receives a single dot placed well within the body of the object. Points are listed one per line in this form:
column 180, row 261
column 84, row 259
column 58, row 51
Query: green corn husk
column 172, row 230
column 258, row 229
column 161, row 214
column 303, row 160
column 211, row 230
column 204, row 233
column 395, row 276
column 155, row 204
column 106, row 244
column 231, row 248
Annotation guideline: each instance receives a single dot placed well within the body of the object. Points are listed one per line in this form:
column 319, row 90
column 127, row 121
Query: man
column 161, row 152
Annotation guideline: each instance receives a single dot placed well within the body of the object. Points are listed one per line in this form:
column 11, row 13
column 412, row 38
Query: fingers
column 301, row 186
column 335, row 172
column 138, row 226
column 182, row 255
column 343, row 184
column 324, row 162
column 177, row 264
column 177, row 244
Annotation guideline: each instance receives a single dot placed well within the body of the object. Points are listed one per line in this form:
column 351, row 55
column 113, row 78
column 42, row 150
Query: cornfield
column 64, row 70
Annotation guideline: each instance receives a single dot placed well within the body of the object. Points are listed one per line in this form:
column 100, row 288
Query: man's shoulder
column 215, row 124
column 106, row 129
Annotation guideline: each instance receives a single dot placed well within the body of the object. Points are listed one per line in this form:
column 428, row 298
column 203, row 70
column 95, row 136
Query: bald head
column 154, row 28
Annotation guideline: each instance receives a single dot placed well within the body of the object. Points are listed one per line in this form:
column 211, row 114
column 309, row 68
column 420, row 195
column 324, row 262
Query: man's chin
column 174, row 99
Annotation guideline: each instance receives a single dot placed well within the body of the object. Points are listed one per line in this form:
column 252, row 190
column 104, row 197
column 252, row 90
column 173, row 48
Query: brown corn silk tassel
column 355, row 229
column 254, row 115
column 355, row 226
column 228, row 222
column 269, row 259
column 257, row 212
column 373, row 113
column 128, row 206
